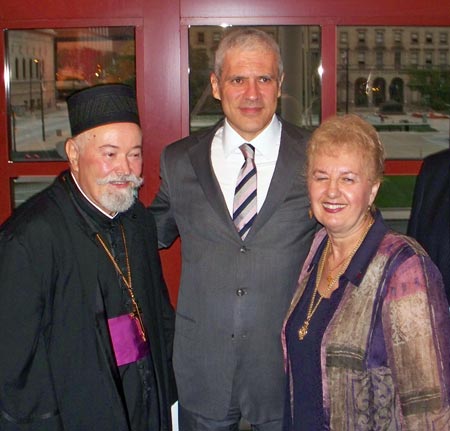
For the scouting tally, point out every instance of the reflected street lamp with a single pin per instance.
(346, 62)
(41, 92)
(31, 90)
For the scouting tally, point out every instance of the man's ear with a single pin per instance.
(214, 85)
(73, 153)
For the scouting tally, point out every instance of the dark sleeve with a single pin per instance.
(165, 309)
(169, 329)
(430, 212)
(161, 208)
(417, 203)
(27, 400)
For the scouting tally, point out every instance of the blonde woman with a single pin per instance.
(366, 338)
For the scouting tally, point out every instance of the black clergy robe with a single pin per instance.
(58, 289)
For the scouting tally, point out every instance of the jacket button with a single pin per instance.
(243, 249)
(241, 292)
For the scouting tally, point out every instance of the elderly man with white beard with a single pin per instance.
(86, 322)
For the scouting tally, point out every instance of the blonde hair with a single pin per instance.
(352, 133)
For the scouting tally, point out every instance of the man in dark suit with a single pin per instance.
(430, 212)
(237, 279)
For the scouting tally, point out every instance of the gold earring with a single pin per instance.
(310, 213)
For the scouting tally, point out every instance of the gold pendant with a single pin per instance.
(303, 330)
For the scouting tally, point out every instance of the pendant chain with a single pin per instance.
(313, 305)
(136, 314)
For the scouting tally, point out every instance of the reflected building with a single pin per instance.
(56, 62)
(378, 65)
(31, 70)
(47, 65)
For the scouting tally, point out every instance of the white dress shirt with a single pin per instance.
(227, 159)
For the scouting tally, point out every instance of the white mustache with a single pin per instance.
(133, 179)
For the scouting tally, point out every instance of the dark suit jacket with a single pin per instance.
(234, 294)
(430, 212)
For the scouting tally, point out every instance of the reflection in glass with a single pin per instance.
(300, 50)
(25, 187)
(398, 78)
(47, 65)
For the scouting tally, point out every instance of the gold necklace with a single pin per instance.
(313, 305)
(136, 313)
(344, 264)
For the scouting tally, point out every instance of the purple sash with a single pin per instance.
(127, 341)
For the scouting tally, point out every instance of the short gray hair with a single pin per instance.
(246, 38)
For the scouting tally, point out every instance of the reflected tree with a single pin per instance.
(433, 86)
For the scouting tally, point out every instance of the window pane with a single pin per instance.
(403, 89)
(46, 66)
(25, 187)
(400, 84)
(300, 51)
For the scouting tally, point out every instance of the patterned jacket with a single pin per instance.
(385, 354)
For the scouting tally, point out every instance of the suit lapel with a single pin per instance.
(286, 170)
(200, 156)
(284, 175)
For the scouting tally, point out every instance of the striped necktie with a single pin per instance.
(244, 205)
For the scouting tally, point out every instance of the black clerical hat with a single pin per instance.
(102, 104)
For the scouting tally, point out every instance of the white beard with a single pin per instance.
(118, 201)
